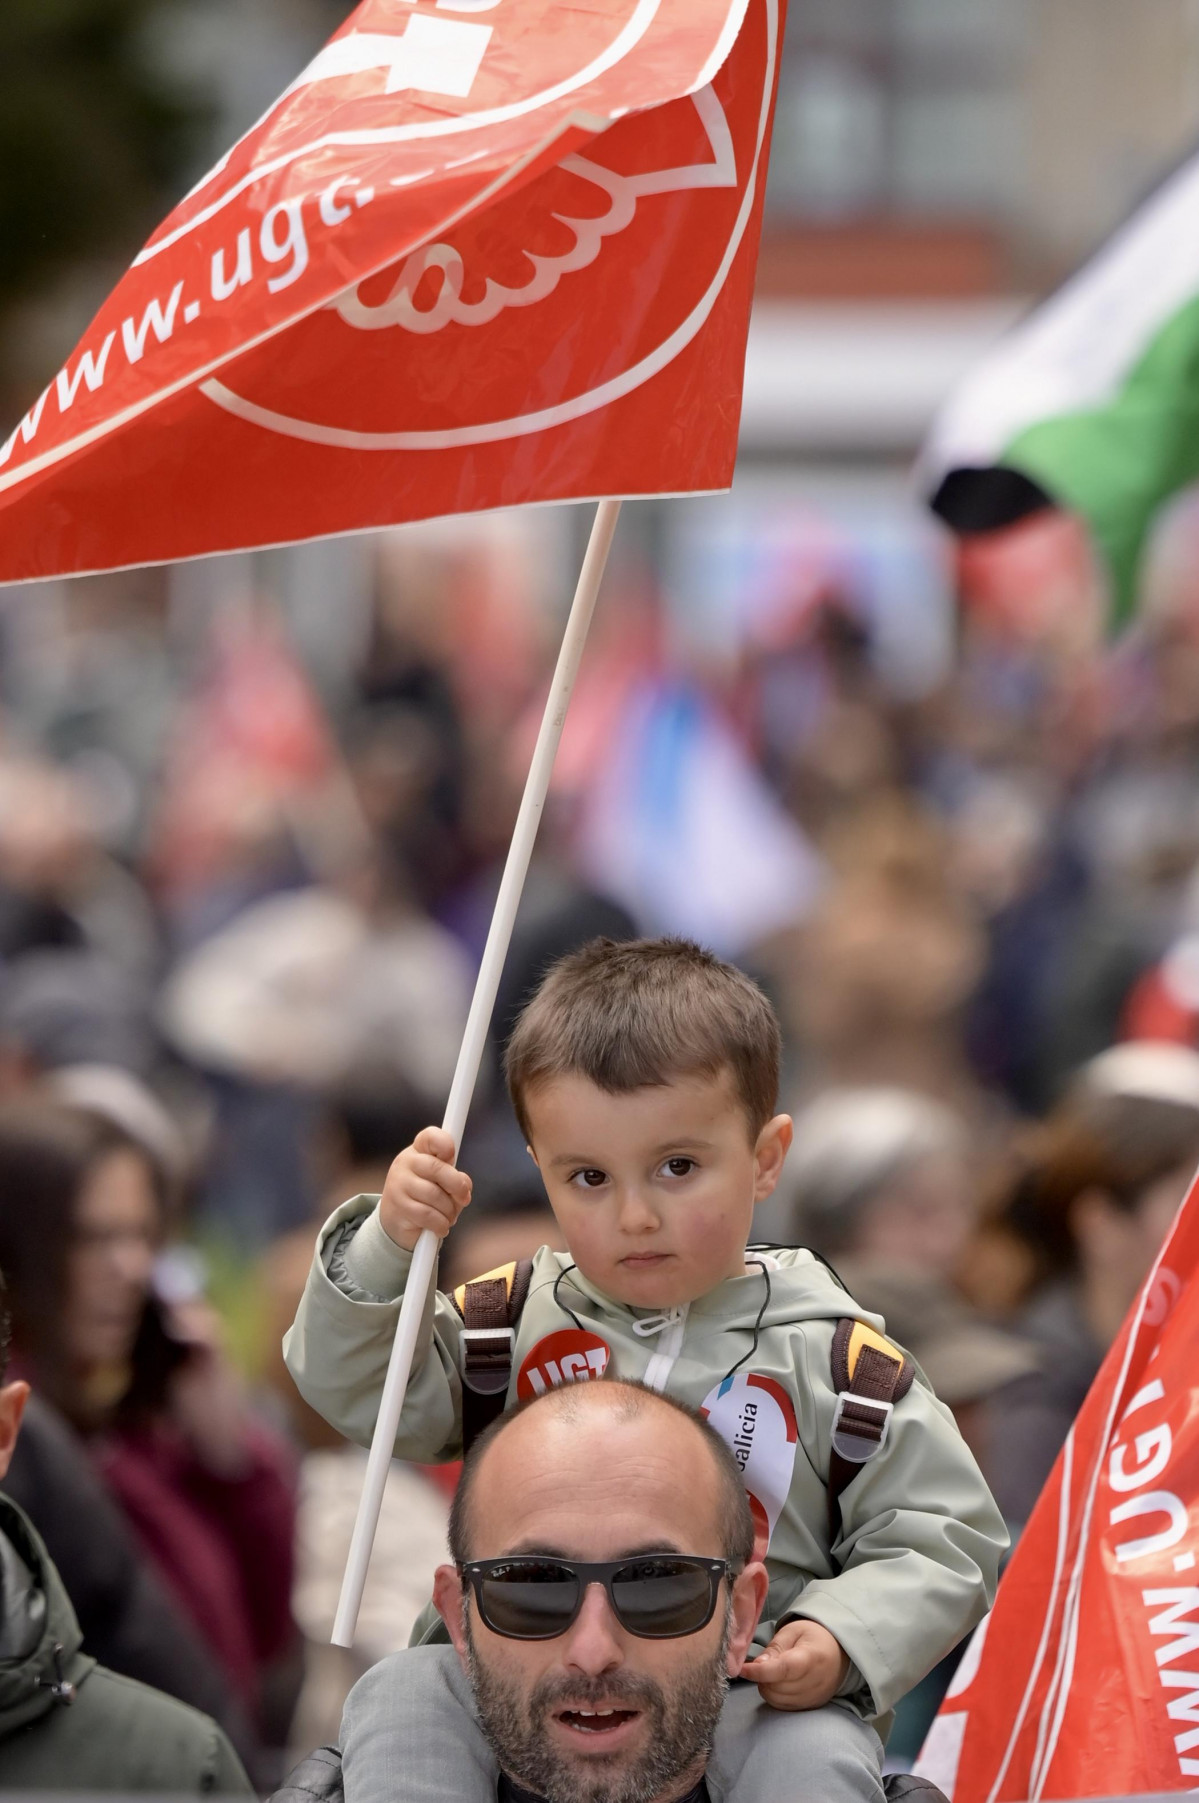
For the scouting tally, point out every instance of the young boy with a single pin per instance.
(645, 1076)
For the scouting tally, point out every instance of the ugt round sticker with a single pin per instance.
(570, 1356)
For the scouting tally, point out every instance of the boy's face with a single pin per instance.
(655, 1189)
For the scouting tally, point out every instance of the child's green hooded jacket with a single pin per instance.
(916, 1562)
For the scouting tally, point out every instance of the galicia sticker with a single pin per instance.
(755, 1417)
(571, 1356)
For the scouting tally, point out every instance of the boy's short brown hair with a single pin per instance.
(631, 1015)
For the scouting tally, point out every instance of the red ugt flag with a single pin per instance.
(482, 252)
(1084, 1679)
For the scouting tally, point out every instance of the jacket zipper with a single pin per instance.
(657, 1372)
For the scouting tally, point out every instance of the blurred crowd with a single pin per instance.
(240, 912)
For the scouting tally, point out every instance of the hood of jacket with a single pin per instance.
(40, 1657)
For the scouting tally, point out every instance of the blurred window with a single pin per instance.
(901, 107)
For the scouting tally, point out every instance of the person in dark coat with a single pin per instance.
(206, 1490)
(128, 1620)
(66, 1722)
(1094, 1193)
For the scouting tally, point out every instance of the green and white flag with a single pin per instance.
(1092, 402)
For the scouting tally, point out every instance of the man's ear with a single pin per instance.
(447, 1600)
(13, 1398)
(533, 1156)
(771, 1148)
(749, 1600)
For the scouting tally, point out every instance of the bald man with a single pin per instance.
(602, 1594)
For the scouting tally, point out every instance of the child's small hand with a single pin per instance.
(423, 1189)
(803, 1667)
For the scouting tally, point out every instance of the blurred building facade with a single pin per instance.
(937, 162)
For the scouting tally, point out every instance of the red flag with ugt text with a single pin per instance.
(481, 252)
(1084, 1679)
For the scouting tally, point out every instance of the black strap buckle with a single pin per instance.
(486, 1357)
(860, 1426)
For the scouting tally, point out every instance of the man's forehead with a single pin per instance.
(592, 1484)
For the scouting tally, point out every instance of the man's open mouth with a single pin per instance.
(597, 1724)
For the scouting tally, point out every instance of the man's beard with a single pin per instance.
(681, 1723)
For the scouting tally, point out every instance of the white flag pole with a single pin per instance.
(424, 1258)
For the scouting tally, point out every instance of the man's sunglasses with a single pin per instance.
(657, 1596)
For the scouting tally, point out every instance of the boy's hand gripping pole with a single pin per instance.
(424, 1258)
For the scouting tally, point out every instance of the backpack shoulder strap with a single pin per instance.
(870, 1375)
(490, 1307)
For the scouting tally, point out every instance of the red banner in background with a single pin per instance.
(425, 283)
(1084, 1679)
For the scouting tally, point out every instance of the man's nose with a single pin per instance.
(593, 1645)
